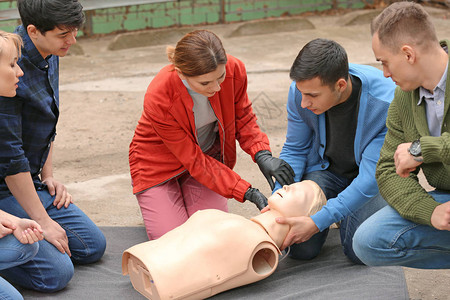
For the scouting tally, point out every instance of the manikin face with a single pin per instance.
(295, 199)
(55, 42)
(9, 69)
(207, 84)
(318, 97)
(398, 66)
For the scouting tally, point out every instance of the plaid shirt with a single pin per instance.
(28, 120)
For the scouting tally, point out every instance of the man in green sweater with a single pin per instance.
(414, 230)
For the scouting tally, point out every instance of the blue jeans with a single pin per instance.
(332, 184)
(50, 270)
(387, 239)
(13, 253)
(8, 292)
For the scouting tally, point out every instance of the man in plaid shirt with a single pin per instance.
(27, 132)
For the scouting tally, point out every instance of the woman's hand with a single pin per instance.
(28, 231)
(6, 227)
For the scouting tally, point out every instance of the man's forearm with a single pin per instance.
(22, 187)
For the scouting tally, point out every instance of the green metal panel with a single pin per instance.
(7, 4)
(9, 25)
(237, 10)
(157, 14)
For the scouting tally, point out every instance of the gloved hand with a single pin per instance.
(255, 196)
(276, 167)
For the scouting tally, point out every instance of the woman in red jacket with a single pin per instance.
(184, 146)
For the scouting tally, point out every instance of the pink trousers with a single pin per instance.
(169, 205)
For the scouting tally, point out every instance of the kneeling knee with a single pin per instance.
(92, 253)
(28, 252)
(55, 280)
(98, 252)
(303, 253)
(363, 250)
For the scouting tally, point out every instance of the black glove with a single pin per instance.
(255, 196)
(276, 167)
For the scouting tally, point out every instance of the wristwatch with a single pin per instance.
(415, 150)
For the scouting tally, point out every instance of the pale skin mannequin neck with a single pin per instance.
(291, 205)
(302, 228)
(427, 67)
(21, 184)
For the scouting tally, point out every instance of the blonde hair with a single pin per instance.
(319, 198)
(12, 38)
(198, 52)
(404, 23)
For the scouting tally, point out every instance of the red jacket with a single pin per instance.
(165, 143)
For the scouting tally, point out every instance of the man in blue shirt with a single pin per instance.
(27, 131)
(336, 127)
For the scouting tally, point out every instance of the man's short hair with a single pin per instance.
(404, 23)
(321, 58)
(48, 14)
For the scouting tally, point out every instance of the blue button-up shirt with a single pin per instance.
(434, 103)
(28, 120)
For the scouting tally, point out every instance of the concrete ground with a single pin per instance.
(102, 86)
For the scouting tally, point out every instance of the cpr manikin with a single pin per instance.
(214, 251)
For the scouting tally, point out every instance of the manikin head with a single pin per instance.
(303, 198)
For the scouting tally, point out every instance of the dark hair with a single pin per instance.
(48, 14)
(321, 58)
(198, 52)
(404, 23)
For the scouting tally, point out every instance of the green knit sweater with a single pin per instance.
(406, 122)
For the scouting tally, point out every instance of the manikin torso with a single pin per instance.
(214, 251)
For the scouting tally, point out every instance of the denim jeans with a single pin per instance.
(8, 292)
(13, 253)
(387, 239)
(50, 270)
(332, 184)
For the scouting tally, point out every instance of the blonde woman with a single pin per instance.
(18, 237)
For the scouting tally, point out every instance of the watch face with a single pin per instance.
(415, 149)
